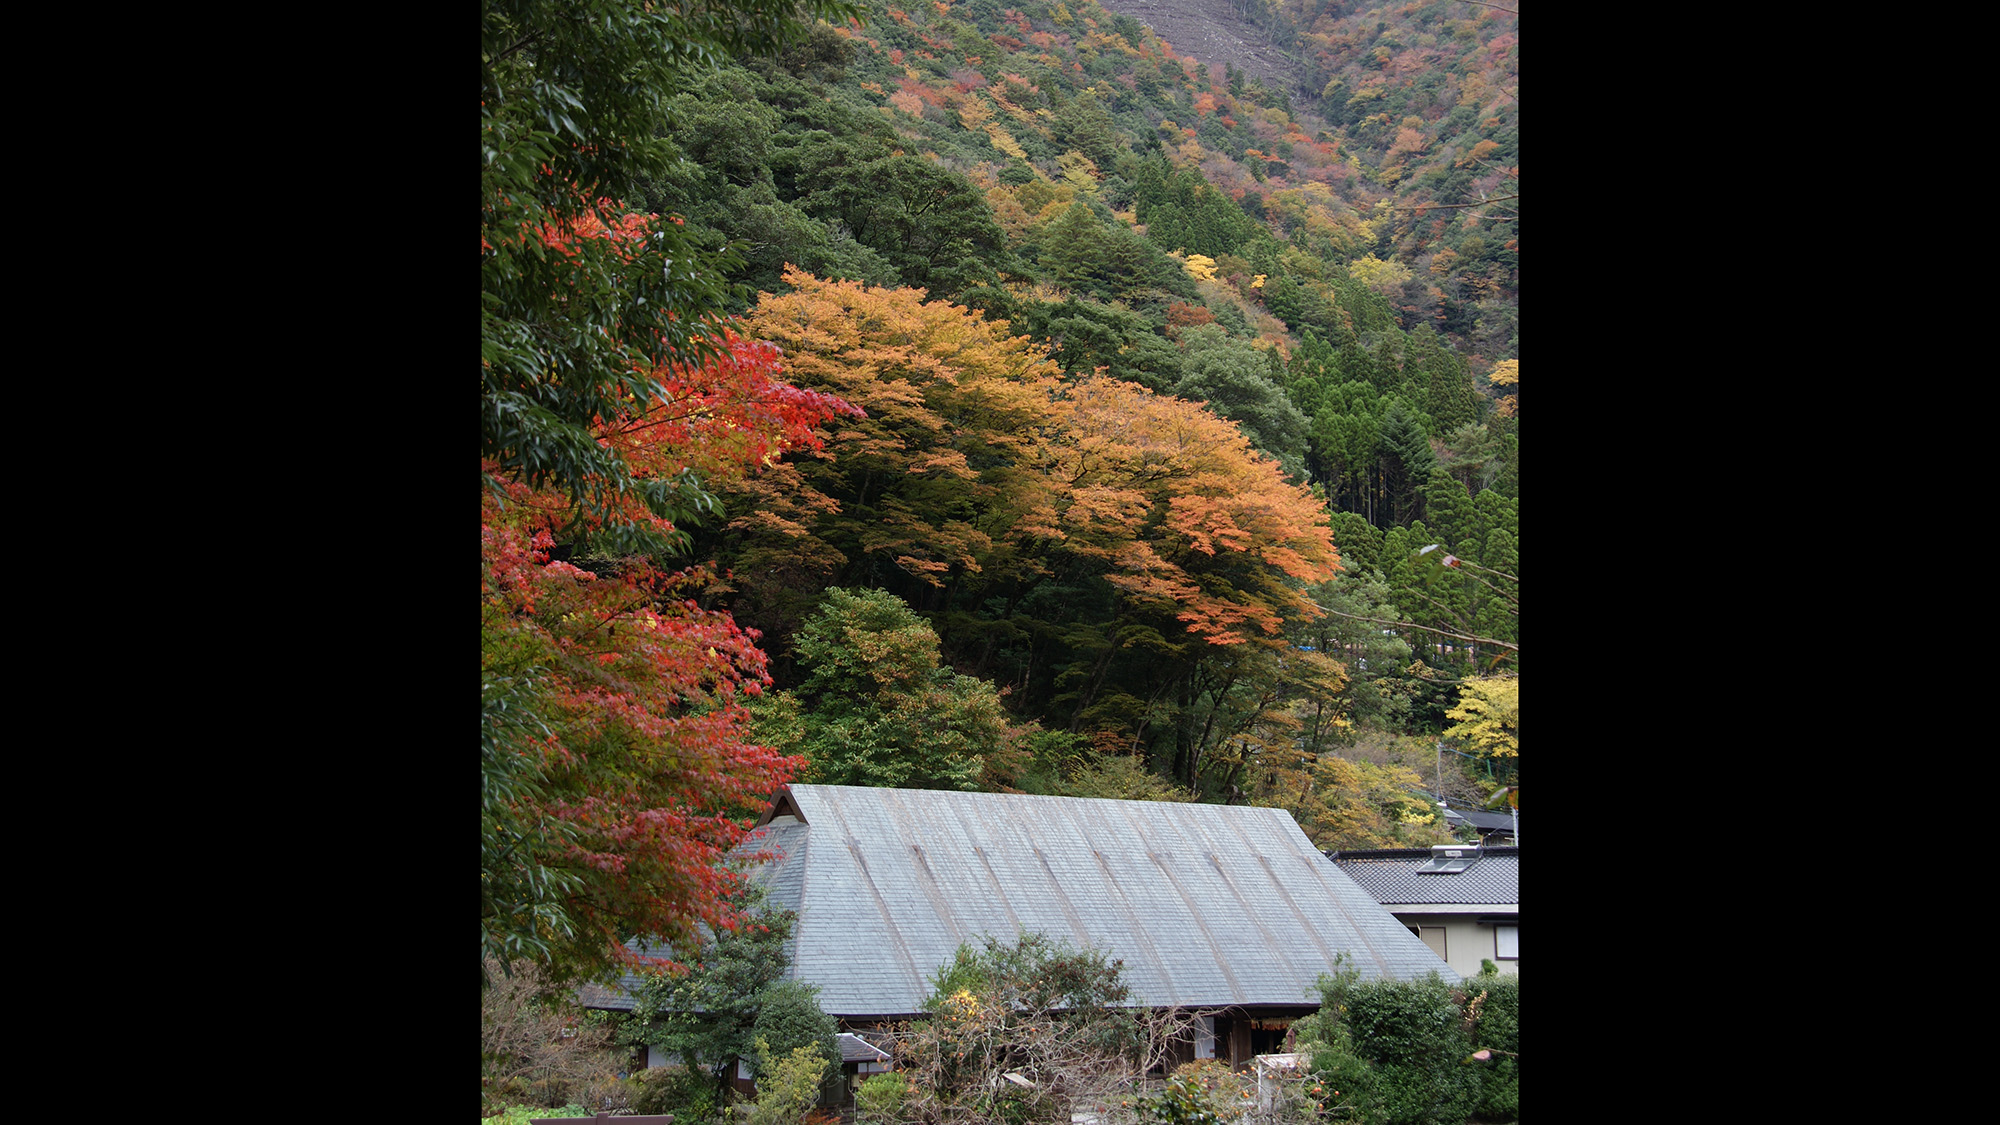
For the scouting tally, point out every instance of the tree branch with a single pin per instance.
(1414, 625)
(1441, 206)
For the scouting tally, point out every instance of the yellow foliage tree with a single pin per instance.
(1378, 275)
(1489, 716)
(1507, 373)
(1200, 266)
(1078, 171)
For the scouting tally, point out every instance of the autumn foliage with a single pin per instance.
(618, 747)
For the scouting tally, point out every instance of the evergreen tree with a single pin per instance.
(1448, 508)
(1385, 370)
(1407, 459)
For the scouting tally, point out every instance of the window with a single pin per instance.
(1507, 943)
(1434, 937)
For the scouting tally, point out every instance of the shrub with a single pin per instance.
(879, 1100)
(1415, 1035)
(1400, 1052)
(787, 1087)
(1497, 1029)
(791, 1018)
(1198, 1093)
(687, 1094)
(539, 1048)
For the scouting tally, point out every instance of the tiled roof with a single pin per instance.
(1205, 904)
(1483, 820)
(853, 1048)
(1391, 876)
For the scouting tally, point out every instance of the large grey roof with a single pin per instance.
(1207, 905)
(1391, 876)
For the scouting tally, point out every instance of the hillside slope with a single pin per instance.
(1215, 33)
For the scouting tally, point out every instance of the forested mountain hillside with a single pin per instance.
(1010, 396)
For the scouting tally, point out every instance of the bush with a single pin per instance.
(791, 1018)
(1497, 1029)
(787, 1087)
(1414, 1033)
(687, 1094)
(1400, 1052)
(538, 1048)
(1198, 1093)
(879, 1100)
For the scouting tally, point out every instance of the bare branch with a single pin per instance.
(1425, 628)
(1421, 207)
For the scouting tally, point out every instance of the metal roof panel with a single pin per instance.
(1207, 905)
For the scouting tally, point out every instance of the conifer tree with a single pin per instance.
(1406, 459)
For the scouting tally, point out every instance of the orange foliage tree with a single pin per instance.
(1195, 528)
(978, 475)
(935, 482)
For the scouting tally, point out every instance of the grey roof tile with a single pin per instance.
(1390, 875)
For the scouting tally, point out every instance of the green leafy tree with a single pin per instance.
(928, 222)
(878, 708)
(707, 1015)
(1404, 447)
(789, 1017)
(1232, 378)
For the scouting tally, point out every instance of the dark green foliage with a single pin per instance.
(708, 1015)
(1182, 211)
(520, 895)
(1087, 253)
(1498, 1031)
(573, 110)
(1083, 125)
(878, 707)
(1085, 334)
(1448, 509)
(1398, 1051)
(1404, 446)
(926, 221)
(1233, 379)
(791, 1017)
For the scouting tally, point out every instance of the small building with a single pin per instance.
(859, 1059)
(1463, 901)
(1490, 827)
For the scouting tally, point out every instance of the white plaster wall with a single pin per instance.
(1465, 940)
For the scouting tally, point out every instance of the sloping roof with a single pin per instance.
(853, 1048)
(1207, 905)
(1482, 820)
(1391, 876)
